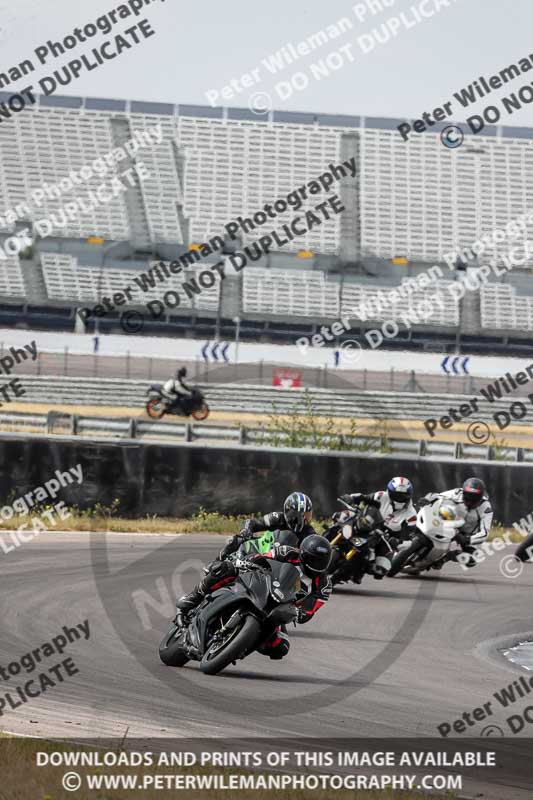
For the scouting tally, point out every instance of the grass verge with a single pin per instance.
(107, 519)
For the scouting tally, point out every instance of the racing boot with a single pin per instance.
(454, 556)
(276, 646)
(186, 605)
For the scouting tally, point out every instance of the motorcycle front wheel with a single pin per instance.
(155, 408)
(399, 561)
(171, 650)
(241, 639)
(201, 413)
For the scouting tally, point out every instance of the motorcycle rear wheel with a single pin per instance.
(243, 639)
(155, 408)
(171, 651)
(201, 413)
(399, 561)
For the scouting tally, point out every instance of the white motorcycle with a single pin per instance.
(436, 535)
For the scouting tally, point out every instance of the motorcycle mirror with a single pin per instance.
(344, 503)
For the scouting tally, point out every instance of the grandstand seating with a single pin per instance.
(11, 278)
(42, 147)
(419, 302)
(503, 309)
(162, 191)
(235, 167)
(213, 165)
(66, 280)
(310, 294)
(290, 293)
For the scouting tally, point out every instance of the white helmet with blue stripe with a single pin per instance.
(298, 510)
(400, 491)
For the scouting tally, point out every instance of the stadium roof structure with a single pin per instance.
(231, 113)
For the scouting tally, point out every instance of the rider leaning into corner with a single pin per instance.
(176, 388)
(395, 505)
(471, 502)
(399, 516)
(296, 517)
(312, 558)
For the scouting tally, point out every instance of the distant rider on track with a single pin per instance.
(175, 389)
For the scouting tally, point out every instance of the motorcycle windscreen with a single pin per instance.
(258, 587)
(287, 576)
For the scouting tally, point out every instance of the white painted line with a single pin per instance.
(111, 533)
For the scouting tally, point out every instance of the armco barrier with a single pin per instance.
(375, 441)
(176, 480)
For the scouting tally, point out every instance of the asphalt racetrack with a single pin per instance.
(394, 658)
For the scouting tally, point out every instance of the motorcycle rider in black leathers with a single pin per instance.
(296, 517)
(175, 389)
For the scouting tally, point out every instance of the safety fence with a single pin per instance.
(378, 442)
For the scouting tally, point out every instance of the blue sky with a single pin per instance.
(203, 45)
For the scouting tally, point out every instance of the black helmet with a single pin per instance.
(181, 373)
(298, 509)
(315, 554)
(473, 491)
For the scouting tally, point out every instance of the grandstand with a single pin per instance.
(417, 201)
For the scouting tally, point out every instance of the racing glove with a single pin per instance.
(351, 499)
(303, 617)
(463, 539)
(285, 550)
(245, 564)
(232, 544)
(257, 561)
(246, 533)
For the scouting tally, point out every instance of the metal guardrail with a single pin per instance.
(55, 423)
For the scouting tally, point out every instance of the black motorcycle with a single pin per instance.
(233, 621)
(158, 405)
(355, 537)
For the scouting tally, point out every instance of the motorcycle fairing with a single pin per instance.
(254, 591)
